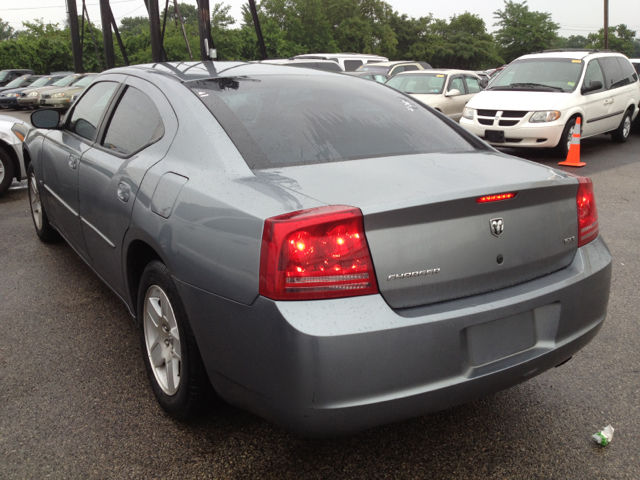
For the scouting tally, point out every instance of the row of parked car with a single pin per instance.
(34, 91)
(534, 102)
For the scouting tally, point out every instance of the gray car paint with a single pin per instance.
(333, 366)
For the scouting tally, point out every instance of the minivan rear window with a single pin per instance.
(286, 120)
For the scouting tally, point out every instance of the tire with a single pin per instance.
(621, 133)
(44, 230)
(565, 140)
(171, 356)
(6, 171)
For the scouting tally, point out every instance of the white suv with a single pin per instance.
(536, 99)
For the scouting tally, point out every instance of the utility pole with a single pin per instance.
(107, 36)
(256, 24)
(75, 36)
(157, 51)
(606, 24)
(204, 25)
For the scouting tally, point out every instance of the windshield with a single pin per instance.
(84, 81)
(285, 120)
(17, 82)
(373, 68)
(63, 82)
(540, 74)
(428, 83)
(41, 82)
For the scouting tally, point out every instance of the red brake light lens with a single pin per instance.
(316, 253)
(587, 212)
(496, 198)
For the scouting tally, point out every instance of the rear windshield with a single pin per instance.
(540, 74)
(428, 83)
(285, 120)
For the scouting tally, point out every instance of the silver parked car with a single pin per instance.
(12, 133)
(323, 251)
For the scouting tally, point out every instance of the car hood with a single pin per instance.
(517, 100)
(14, 90)
(41, 89)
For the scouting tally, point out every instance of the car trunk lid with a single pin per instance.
(429, 239)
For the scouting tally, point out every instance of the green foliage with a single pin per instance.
(6, 31)
(523, 31)
(292, 27)
(621, 39)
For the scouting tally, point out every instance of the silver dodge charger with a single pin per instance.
(322, 250)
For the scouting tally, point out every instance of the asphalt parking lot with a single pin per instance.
(75, 401)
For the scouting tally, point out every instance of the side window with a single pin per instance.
(351, 65)
(628, 72)
(612, 72)
(473, 84)
(593, 74)
(397, 70)
(410, 67)
(135, 123)
(380, 78)
(87, 112)
(456, 84)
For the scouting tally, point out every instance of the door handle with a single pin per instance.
(73, 162)
(124, 191)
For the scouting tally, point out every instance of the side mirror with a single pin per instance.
(484, 81)
(452, 93)
(45, 119)
(593, 86)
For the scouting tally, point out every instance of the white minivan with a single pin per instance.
(536, 99)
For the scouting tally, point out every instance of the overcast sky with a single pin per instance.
(576, 17)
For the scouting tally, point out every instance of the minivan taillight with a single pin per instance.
(316, 253)
(587, 212)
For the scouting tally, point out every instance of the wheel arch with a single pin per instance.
(17, 171)
(139, 255)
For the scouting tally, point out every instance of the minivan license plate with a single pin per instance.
(495, 136)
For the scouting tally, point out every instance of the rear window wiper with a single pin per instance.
(531, 85)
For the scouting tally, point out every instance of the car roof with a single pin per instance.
(393, 62)
(338, 55)
(189, 71)
(572, 54)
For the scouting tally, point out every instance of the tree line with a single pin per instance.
(292, 27)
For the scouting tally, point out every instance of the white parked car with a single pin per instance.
(12, 134)
(447, 91)
(535, 101)
(348, 61)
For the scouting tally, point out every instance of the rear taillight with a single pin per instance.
(587, 212)
(316, 253)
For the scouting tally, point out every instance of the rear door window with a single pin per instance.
(88, 111)
(135, 123)
(473, 84)
(612, 72)
(628, 71)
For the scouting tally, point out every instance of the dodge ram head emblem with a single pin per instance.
(497, 226)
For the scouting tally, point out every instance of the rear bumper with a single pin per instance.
(325, 368)
(529, 135)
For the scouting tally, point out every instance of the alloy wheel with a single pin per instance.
(162, 339)
(34, 200)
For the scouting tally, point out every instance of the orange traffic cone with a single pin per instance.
(573, 157)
